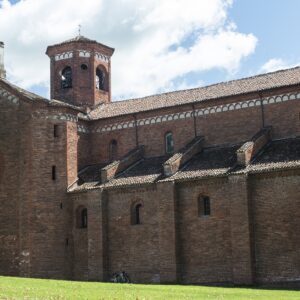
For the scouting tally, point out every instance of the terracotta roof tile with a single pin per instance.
(257, 83)
(147, 170)
(214, 161)
(280, 154)
(34, 97)
(80, 39)
(211, 162)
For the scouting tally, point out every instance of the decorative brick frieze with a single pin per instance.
(200, 112)
(64, 55)
(82, 129)
(83, 53)
(101, 57)
(60, 116)
(8, 96)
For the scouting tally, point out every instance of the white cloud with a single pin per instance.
(275, 64)
(156, 41)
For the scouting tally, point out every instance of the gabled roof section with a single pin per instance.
(80, 39)
(280, 154)
(20, 92)
(145, 171)
(259, 83)
(211, 162)
(17, 91)
(216, 161)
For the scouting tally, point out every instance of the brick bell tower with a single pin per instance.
(80, 72)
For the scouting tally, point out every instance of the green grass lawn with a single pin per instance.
(23, 288)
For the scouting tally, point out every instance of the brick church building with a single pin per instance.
(193, 186)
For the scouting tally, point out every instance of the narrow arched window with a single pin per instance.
(113, 150)
(204, 206)
(84, 218)
(53, 172)
(169, 143)
(66, 78)
(101, 79)
(136, 214)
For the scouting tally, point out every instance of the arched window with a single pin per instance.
(203, 206)
(169, 143)
(84, 218)
(1, 166)
(101, 79)
(136, 214)
(113, 150)
(66, 78)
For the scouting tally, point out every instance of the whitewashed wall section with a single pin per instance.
(199, 112)
(11, 98)
(64, 55)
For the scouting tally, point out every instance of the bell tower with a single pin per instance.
(80, 72)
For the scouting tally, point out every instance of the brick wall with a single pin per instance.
(83, 152)
(11, 158)
(83, 91)
(241, 229)
(133, 248)
(204, 242)
(284, 118)
(228, 127)
(49, 248)
(276, 203)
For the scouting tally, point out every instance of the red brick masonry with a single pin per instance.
(237, 143)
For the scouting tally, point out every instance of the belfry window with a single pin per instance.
(136, 214)
(113, 150)
(101, 79)
(203, 206)
(66, 78)
(169, 143)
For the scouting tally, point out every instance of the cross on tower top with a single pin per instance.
(79, 30)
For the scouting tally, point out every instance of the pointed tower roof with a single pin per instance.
(81, 39)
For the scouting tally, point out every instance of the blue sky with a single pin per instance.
(275, 24)
(161, 45)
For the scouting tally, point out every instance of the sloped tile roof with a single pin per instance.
(211, 162)
(30, 96)
(34, 97)
(280, 154)
(215, 161)
(80, 39)
(145, 171)
(257, 83)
